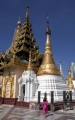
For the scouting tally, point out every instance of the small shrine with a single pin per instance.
(28, 83)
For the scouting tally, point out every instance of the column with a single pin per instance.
(64, 100)
(19, 97)
(31, 90)
(28, 91)
(71, 103)
(25, 96)
(52, 101)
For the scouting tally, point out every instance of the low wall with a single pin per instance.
(13, 101)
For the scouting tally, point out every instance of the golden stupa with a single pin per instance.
(48, 66)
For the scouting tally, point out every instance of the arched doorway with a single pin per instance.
(23, 91)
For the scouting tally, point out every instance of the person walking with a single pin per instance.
(45, 104)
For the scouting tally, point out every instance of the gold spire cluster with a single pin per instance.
(30, 64)
(48, 66)
(69, 79)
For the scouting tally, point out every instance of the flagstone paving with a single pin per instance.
(10, 112)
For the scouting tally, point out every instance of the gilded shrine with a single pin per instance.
(8, 87)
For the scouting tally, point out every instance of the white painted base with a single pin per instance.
(50, 83)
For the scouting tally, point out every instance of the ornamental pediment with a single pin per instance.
(27, 76)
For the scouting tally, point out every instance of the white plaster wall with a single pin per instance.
(19, 71)
(33, 88)
(74, 83)
(46, 77)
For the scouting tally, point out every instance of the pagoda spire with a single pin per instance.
(61, 71)
(27, 13)
(19, 23)
(48, 66)
(29, 64)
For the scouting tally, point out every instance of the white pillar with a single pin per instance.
(25, 96)
(19, 89)
(31, 90)
(19, 97)
(28, 91)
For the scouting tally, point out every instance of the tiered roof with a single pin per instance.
(23, 42)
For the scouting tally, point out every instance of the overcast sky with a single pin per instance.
(61, 21)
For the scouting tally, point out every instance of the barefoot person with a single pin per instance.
(45, 104)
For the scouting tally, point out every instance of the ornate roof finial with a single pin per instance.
(27, 14)
(47, 21)
(29, 64)
(19, 22)
(48, 31)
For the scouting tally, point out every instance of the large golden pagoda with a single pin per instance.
(48, 66)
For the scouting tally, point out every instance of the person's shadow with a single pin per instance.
(49, 114)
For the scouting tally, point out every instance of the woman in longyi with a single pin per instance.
(45, 104)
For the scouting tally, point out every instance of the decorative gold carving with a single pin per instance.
(8, 86)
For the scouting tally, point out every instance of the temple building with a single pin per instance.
(24, 71)
(15, 60)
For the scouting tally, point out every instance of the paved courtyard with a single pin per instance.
(9, 112)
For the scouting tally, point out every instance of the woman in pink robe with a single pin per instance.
(45, 106)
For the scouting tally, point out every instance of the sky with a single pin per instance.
(61, 22)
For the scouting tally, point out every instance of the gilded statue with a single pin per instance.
(70, 83)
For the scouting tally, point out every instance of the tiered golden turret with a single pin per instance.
(22, 43)
(48, 66)
(15, 38)
(26, 42)
(69, 79)
(29, 67)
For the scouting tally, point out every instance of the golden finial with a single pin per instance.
(19, 22)
(48, 66)
(27, 14)
(48, 31)
(29, 64)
